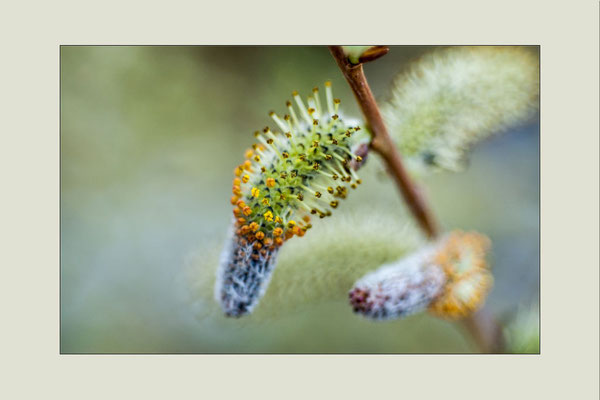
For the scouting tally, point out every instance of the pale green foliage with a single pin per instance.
(522, 333)
(321, 266)
(455, 97)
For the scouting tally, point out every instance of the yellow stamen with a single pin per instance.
(268, 216)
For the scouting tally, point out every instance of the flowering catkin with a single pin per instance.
(451, 278)
(289, 176)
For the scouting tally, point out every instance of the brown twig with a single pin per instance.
(481, 325)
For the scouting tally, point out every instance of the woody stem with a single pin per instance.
(485, 330)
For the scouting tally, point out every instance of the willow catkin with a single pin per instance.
(450, 278)
(292, 175)
(452, 98)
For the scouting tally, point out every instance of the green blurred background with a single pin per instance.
(149, 139)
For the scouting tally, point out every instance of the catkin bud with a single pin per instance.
(450, 277)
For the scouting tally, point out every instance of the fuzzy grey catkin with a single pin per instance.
(398, 289)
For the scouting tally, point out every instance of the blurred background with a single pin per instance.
(149, 140)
